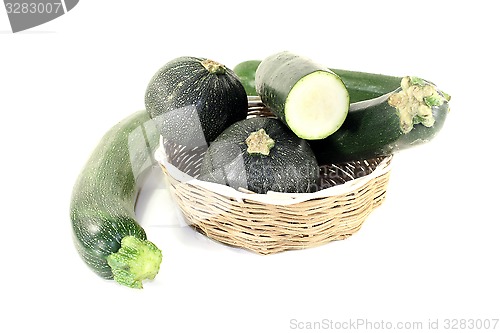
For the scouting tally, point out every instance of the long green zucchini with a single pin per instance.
(408, 116)
(361, 86)
(106, 233)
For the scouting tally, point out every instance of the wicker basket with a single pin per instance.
(275, 222)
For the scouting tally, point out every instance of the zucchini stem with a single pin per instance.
(213, 66)
(259, 142)
(135, 261)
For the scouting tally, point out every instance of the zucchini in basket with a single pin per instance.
(261, 154)
(105, 230)
(375, 125)
(192, 100)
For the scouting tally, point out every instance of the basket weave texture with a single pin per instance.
(275, 222)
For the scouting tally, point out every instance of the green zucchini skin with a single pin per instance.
(320, 107)
(361, 86)
(105, 192)
(193, 100)
(290, 165)
(374, 128)
(246, 72)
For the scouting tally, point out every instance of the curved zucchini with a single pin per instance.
(309, 98)
(106, 233)
(361, 86)
(410, 115)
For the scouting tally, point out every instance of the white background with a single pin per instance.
(429, 252)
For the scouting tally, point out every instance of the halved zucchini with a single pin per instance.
(309, 98)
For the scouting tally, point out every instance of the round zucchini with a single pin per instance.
(408, 116)
(309, 98)
(261, 155)
(192, 100)
(105, 230)
(361, 86)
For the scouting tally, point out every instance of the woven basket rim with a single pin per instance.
(277, 198)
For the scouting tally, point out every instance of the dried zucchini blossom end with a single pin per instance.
(414, 102)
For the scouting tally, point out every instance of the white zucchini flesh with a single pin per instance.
(317, 105)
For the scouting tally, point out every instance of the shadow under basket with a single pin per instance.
(275, 222)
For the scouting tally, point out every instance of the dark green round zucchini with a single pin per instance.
(192, 100)
(309, 98)
(410, 115)
(261, 155)
(106, 233)
(360, 86)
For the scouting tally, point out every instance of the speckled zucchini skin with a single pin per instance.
(105, 192)
(185, 98)
(290, 166)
